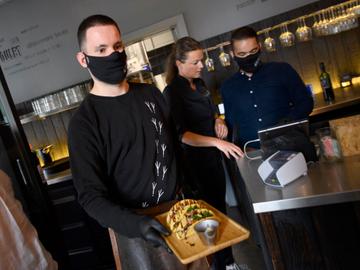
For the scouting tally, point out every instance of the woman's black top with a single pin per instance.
(192, 110)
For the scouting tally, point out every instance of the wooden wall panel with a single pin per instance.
(51, 130)
(339, 56)
(52, 136)
(61, 136)
(308, 65)
(66, 116)
(30, 134)
(352, 47)
(41, 137)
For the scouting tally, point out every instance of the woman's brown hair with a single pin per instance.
(179, 52)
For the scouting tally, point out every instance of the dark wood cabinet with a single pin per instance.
(313, 238)
(86, 245)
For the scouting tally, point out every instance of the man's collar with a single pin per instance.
(249, 75)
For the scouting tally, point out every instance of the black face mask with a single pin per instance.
(249, 63)
(111, 69)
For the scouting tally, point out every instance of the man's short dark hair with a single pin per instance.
(243, 33)
(91, 21)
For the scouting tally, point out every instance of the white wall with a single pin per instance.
(45, 32)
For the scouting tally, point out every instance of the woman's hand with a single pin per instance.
(221, 130)
(197, 140)
(229, 149)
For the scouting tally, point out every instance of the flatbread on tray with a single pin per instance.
(183, 216)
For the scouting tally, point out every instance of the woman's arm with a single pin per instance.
(221, 129)
(196, 140)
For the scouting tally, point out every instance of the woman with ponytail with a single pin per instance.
(200, 130)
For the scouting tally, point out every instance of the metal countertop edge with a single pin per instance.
(302, 202)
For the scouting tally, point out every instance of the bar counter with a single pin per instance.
(326, 183)
(312, 223)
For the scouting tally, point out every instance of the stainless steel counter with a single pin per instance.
(326, 183)
(58, 177)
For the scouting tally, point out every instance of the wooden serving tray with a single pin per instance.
(192, 248)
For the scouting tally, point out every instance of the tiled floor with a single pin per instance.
(246, 253)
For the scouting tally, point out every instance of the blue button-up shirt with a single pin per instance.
(274, 92)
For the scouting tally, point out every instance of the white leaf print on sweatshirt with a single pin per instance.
(145, 204)
(160, 193)
(147, 103)
(153, 107)
(160, 124)
(157, 146)
(164, 170)
(153, 120)
(157, 165)
(154, 184)
(163, 148)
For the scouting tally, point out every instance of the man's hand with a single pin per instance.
(151, 229)
(221, 130)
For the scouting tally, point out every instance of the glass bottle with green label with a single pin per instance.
(326, 85)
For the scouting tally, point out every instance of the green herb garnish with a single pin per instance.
(192, 208)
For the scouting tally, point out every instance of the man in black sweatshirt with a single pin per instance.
(121, 147)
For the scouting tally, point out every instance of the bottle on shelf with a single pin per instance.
(326, 85)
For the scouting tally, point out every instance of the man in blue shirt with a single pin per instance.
(261, 95)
